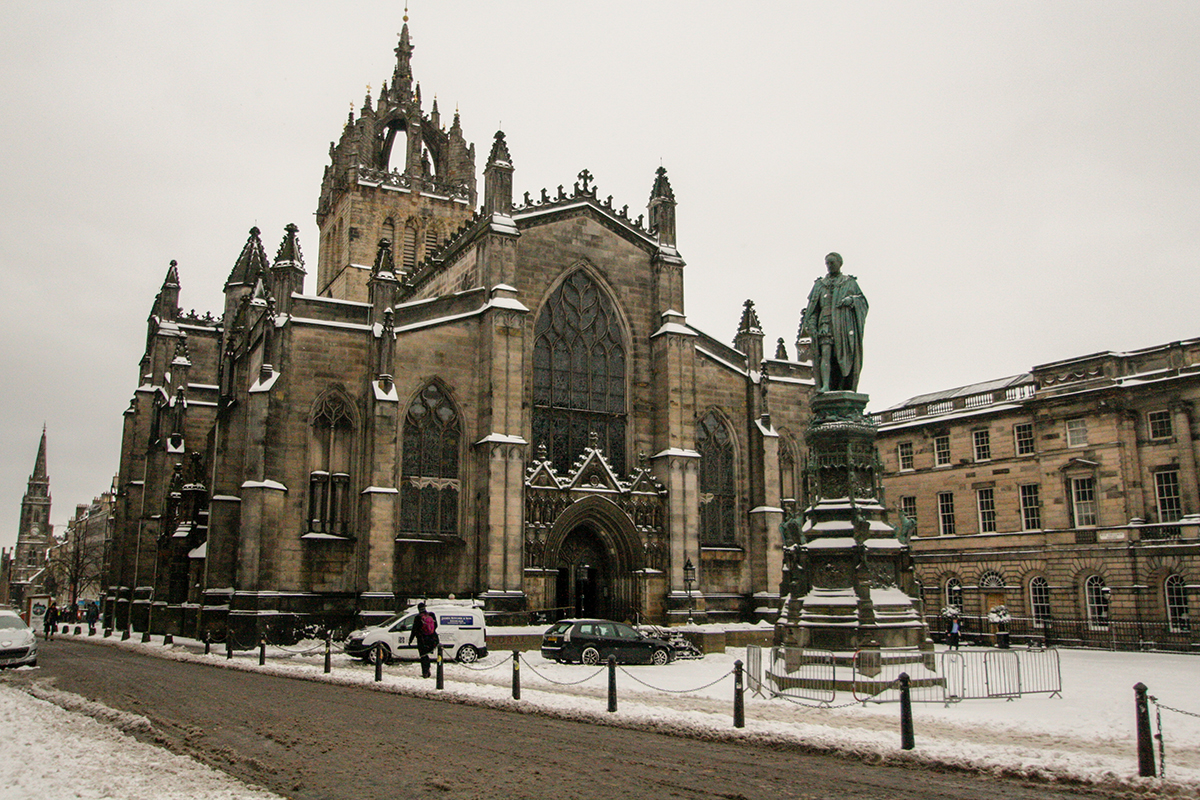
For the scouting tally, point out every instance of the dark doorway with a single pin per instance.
(583, 586)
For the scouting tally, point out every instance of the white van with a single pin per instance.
(461, 631)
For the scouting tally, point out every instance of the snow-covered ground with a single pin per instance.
(1086, 735)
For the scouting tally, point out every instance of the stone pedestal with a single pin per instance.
(848, 581)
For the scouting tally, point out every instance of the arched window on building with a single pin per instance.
(1039, 600)
(429, 478)
(330, 435)
(991, 580)
(787, 473)
(954, 595)
(1096, 600)
(433, 238)
(389, 232)
(717, 496)
(579, 374)
(1177, 607)
(408, 252)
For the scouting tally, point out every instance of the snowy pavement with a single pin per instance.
(1087, 735)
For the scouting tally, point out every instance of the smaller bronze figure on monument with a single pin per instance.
(834, 320)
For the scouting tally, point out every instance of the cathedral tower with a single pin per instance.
(395, 174)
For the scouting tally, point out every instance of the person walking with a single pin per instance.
(955, 630)
(92, 614)
(50, 621)
(424, 630)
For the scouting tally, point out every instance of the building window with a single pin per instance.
(945, 513)
(1096, 595)
(1031, 507)
(1023, 433)
(954, 594)
(579, 375)
(908, 507)
(1077, 434)
(1159, 423)
(1083, 500)
(991, 580)
(433, 238)
(941, 451)
(429, 482)
(329, 479)
(408, 252)
(787, 473)
(1039, 600)
(986, 500)
(1166, 492)
(982, 441)
(1177, 608)
(717, 496)
(904, 451)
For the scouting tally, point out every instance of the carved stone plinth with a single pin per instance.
(848, 581)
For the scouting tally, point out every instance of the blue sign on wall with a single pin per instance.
(457, 621)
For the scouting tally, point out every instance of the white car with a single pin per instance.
(461, 630)
(18, 645)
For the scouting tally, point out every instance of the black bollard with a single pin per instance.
(78, 630)
(107, 632)
(906, 720)
(262, 652)
(379, 661)
(739, 702)
(612, 684)
(1145, 740)
(168, 639)
(228, 643)
(125, 635)
(516, 675)
(441, 677)
(207, 643)
(328, 646)
(145, 637)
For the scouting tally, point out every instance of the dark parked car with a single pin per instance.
(592, 641)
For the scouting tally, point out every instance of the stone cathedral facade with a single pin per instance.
(480, 394)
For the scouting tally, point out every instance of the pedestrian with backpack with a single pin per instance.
(424, 630)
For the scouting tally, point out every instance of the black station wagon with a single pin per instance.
(592, 641)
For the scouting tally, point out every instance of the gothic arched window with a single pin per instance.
(717, 497)
(330, 435)
(429, 483)
(408, 252)
(579, 374)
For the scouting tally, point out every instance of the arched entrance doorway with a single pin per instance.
(584, 584)
(596, 551)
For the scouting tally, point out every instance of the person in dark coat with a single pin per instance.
(50, 621)
(424, 630)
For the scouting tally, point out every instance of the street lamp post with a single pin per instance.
(689, 577)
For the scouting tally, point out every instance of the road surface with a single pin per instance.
(306, 740)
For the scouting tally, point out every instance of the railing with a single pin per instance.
(1072, 632)
(871, 676)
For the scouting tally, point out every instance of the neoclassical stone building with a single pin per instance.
(1068, 494)
(480, 395)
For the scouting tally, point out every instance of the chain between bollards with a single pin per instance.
(907, 742)
(328, 649)
(739, 702)
(612, 684)
(1145, 742)
(516, 675)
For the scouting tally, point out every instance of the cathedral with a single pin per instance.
(480, 395)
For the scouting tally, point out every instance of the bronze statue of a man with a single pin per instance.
(834, 319)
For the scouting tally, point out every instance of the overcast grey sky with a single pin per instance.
(1012, 183)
